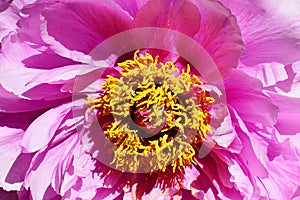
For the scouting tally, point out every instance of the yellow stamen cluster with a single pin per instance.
(157, 100)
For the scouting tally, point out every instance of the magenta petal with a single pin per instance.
(36, 137)
(244, 94)
(131, 6)
(89, 23)
(182, 16)
(9, 152)
(8, 195)
(4, 4)
(219, 34)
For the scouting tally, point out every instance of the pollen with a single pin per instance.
(159, 114)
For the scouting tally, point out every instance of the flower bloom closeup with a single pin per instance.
(150, 99)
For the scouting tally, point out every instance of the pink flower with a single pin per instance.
(72, 83)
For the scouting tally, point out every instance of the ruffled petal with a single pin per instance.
(48, 167)
(11, 103)
(87, 29)
(268, 73)
(30, 83)
(9, 15)
(270, 29)
(9, 152)
(288, 113)
(244, 94)
(36, 138)
(219, 34)
(263, 154)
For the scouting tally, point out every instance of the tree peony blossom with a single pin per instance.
(146, 99)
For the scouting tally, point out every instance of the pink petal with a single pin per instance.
(288, 115)
(270, 30)
(182, 16)
(9, 15)
(13, 66)
(131, 6)
(244, 94)
(289, 87)
(46, 167)
(284, 179)
(88, 22)
(18, 52)
(24, 118)
(36, 138)
(253, 157)
(30, 24)
(8, 195)
(209, 181)
(10, 103)
(9, 152)
(219, 34)
(269, 73)
(281, 181)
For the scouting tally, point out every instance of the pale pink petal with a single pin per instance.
(47, 165)
(36, 138)
(9, 20)
(15, 66)
(252, 153)
(9, 15)
(9, 152)
(270, 29)
(244, 94)
(288, 113)
(225, 134)
(284, 179)
(278, 180)
(268, 73)
(16, 51)
(79, 181)
(11, 103)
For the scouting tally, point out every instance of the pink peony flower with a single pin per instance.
(191, 99)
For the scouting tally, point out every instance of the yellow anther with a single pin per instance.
(150, 94)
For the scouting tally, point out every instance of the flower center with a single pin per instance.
(158, 114)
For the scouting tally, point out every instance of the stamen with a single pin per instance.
(154, 98)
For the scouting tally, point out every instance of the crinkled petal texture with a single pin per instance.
(208, 22)
(44, 51)
(270, 29)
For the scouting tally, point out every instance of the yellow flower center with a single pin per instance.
(159, 113)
